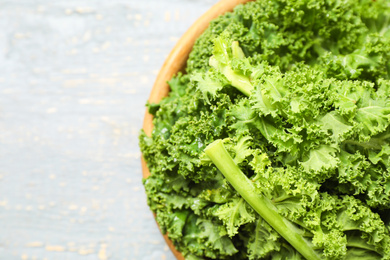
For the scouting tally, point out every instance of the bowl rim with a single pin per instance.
(174, 63)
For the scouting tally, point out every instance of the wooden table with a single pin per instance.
(74, 77)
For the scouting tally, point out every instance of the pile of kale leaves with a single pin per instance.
(275, 143)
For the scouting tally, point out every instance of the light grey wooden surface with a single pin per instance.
(74, 77)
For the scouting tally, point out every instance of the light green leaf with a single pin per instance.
(235, 214)
(322, 158)
(337, 124)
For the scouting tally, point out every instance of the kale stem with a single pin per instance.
(240, 82)
(263, 206)
(281, 198)
(382, 137)
(375, 143)
(372, 144)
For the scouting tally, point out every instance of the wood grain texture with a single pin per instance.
(175, 62)
(74, 79)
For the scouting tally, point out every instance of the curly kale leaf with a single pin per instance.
(299, 91)
(337, 226)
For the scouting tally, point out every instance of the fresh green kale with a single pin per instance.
(339, 226)
(275, 143)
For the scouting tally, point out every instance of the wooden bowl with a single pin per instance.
(176, 62)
